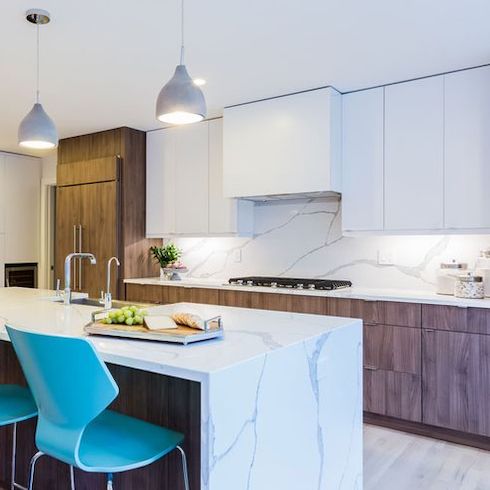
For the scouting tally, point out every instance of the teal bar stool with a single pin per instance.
(72, 388)
(16, 405)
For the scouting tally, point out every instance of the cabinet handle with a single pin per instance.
(74, 266)
(80, 260)
(429, 330)
(371, 368)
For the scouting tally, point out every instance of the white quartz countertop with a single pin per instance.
(248, 333)
(397, 295)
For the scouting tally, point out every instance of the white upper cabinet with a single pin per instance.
(362, 150)
(225, 215)
(284, 145)
(21, 200)
(3, 187)
(467, 149)
(184, 185)
(414, 158)
(191, 169)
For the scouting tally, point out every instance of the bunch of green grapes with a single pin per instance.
(129, 315)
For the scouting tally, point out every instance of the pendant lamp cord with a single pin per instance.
(37, 69)
(182, 32)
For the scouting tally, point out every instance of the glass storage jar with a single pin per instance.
(469, 286)
(447, 275)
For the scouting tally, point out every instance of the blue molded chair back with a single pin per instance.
(70, 384)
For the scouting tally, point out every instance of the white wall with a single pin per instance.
(303, 239)
(49, 165)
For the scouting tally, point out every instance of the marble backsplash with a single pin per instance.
(304, 239)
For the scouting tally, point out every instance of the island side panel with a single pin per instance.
(289, 419)
(163, 400)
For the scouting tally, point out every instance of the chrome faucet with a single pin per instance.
(68, 259)
(106, 298)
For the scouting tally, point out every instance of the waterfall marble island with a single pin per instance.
(275, 404)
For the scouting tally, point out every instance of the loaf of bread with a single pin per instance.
(189, 320)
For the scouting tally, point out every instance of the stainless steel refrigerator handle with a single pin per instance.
(74, 251)
(80, 260)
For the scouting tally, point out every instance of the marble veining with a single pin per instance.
(304, 239)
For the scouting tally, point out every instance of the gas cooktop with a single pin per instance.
(288, 282)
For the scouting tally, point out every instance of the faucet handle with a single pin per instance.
(58, 284)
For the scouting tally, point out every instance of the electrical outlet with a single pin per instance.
(237, 255)
(386, 257)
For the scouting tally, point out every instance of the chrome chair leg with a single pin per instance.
(109, 481)
(13, 484)
(72, 477)
(14, 454)
(32, 467)
(184, 468)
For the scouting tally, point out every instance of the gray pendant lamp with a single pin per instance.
(37, 130)
(181, 101)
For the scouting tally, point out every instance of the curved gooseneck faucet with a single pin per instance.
(69, 257)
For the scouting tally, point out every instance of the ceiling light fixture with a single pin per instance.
(37, 129)
(199, 82)
(181, 101)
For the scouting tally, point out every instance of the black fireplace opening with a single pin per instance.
(21, 275)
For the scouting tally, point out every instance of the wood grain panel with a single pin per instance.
(144, 293)
(205, 296)
(90, 146)
(402, 314)
(162, 400)
(393, 394)
(88, 172)
(442, 317)
(240, 299)
(393, 348)
(309, 304)
(456, 381)
(369, 311)
(176, 294)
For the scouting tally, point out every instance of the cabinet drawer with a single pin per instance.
(240, 299)
(176, 294)
(402, 314)
(441, 317)
(393, 394)
(205, 296)
(144, 293)
(368, 311)
(393, 348)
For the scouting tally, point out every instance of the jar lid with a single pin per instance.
(454, 265)
(470, 277)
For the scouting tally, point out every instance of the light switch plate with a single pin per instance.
(386, 257)
(237, 255)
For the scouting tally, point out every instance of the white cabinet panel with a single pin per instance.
(22, 196)
(414, 155)
(284, 145)
(2, 260)
(160, 182)
(362, 153)
(191, 179)
(226, 215)
(467, 149)
(3, 187)
(184, 185)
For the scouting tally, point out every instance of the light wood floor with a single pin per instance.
(398, 461)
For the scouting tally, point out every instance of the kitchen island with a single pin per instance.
(275, 404)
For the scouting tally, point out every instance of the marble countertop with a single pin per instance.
(397, 295)
(249, 334)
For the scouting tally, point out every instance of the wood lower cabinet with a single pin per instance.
(393, 348)
(456, 381)
(393, 394)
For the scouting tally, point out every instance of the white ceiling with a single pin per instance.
(104, 61)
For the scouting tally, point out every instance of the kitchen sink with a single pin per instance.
(94, 302)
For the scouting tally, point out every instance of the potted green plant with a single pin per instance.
(168, 257)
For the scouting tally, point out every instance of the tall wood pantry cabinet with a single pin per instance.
(101, 208)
